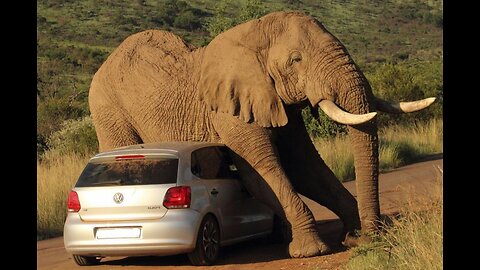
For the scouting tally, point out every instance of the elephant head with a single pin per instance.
(253, 71)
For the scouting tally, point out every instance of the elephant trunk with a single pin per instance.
(365, 150)
(351, 92)
(355, 96)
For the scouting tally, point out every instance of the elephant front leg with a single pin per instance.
(312, 178)
(254, 144)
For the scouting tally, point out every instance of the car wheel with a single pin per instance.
(208, 243)
(85, 261)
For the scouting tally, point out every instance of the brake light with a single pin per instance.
(177, 197)
(73, 203)
(129, 157)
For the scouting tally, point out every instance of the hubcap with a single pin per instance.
(210, 240)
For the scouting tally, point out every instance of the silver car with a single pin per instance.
(161, 199)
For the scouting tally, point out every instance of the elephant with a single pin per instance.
(246, 89)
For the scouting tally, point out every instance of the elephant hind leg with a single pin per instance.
(113, 130)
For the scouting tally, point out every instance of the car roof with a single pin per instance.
(176, 148)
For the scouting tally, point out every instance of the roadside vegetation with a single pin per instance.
(413, 240)
(397, 43)
(399, 145)
(56, 176)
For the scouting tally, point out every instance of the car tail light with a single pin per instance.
(126, 157)
(177, 197)
(73, 202)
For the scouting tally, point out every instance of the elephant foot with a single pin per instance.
(307, 245)
(356, 239)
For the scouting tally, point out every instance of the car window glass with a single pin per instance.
(213, 163)
(129, 172)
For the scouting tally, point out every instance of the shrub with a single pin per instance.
(295, 3)
(167, 10)
(53, 111)
(187, 20)
(392, 81)
(324, 127)
(406, 81)
(222, 20)
(253, 9)
(178, 14)
(75, 136)
(41, 145)
(434, 18)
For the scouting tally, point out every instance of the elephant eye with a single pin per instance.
(295, 57)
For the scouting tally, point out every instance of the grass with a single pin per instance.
(414, 240)
(56, 175)
(336, 152)
(399, 145)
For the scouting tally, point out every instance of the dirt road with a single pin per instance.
(261, 254)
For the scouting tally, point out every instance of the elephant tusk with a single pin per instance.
(343, 117)
(403, 107)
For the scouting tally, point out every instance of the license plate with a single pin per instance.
(112, 233)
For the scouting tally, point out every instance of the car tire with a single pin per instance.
(208, 243)
(86, 261)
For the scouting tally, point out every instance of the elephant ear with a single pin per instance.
(234, 80)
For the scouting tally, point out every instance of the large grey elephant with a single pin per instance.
(246, 89)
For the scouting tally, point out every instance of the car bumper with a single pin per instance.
(175, 233)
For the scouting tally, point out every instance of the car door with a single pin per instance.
(241, 215)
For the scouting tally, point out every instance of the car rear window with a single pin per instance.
(129, 172)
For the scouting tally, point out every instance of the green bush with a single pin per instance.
(434, 18)
(41, 145)
(324, 127)
(222, 20)
(407, 81)
(253, 9)
(178, 14)
(75, 136)
(52, 112)
(167, 10)
(187, 20)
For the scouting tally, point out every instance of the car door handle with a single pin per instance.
(214, 192)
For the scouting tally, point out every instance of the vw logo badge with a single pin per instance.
(118, 197)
